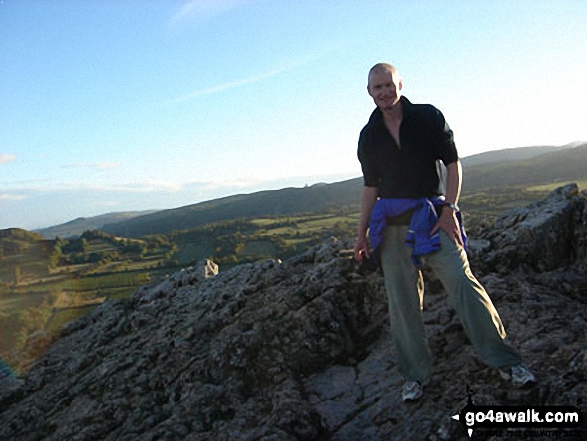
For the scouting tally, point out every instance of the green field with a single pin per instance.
(547, 188)
(44, 284)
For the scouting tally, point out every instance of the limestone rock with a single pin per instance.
(542, 236)
(300, 349)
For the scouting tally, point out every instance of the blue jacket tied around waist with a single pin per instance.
(423, 220)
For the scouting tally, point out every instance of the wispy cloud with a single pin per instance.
(96, 165)
(11, 197)
(227, 184)
(147, 186)
(204, 10)
(229, 85)
(285, 66)
(7, 157)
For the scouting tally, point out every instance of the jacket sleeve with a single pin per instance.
(446, 149)
(370, 175)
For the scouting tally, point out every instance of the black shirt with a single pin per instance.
(409, 170)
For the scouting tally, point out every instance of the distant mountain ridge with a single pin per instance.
(513, 154)
(563, 164)
(498, 168)
(284, 202)
(77, 226)
(486, 170)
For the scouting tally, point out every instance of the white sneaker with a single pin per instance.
(519, 375)
(411, 390)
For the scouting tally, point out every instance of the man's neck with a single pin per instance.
(394, 114)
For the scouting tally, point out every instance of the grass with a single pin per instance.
(11, 303)
(45, 284)
(71, 290)
(553, 186)
(258, 248)
(64, 316)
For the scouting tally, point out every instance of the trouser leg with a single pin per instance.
(474, 308)
(405, 290)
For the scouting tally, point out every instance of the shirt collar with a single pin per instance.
(376, 117)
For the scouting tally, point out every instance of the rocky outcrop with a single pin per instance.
(543, 236)
(300, 349)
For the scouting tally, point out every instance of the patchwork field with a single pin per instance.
(46, 283)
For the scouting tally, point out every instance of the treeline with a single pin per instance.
(98, 247)
(25, 256)
(241, 241)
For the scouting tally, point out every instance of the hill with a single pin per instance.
(504, 168)
(563, 165)
(46, 283)
(77, 226)
(289, 201)
(300, 349)
(507, 155)
(22, 252)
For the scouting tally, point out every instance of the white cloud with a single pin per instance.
(7, 157)
(147, 186)
(96, 165)
(231, 183)
(11, 197)
(228, 85)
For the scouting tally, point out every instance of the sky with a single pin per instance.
(127, 105)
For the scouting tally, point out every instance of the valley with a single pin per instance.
(47, 280)
(46, 283)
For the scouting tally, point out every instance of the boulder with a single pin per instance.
(541, 237)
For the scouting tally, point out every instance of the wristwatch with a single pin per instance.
(451, 205)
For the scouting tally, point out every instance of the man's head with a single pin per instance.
(384, 85)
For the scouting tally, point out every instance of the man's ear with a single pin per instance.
(401, 85)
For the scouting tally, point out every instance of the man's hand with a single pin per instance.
(361, 248)
(450, 225)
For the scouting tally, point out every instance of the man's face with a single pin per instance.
(384, 89)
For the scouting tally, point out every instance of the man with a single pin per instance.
(410, 220)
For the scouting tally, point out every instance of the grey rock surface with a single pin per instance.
(542, 236)
(300, 349)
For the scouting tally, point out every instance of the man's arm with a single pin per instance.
(368, 198)
(454, 180)
(448, 220)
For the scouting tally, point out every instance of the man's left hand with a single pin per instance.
(450, 225)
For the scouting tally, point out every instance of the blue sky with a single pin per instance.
(131, 105)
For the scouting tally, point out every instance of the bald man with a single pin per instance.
(410, 217)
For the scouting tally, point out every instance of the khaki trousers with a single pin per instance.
(405, 292)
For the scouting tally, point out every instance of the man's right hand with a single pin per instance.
(361, 248)
(368, 198)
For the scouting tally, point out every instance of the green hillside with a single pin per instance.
(556, 166)
(46, 283)
(493, 170)
(77, 226)
(508, 155)
(289, 201)
(23, 253)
